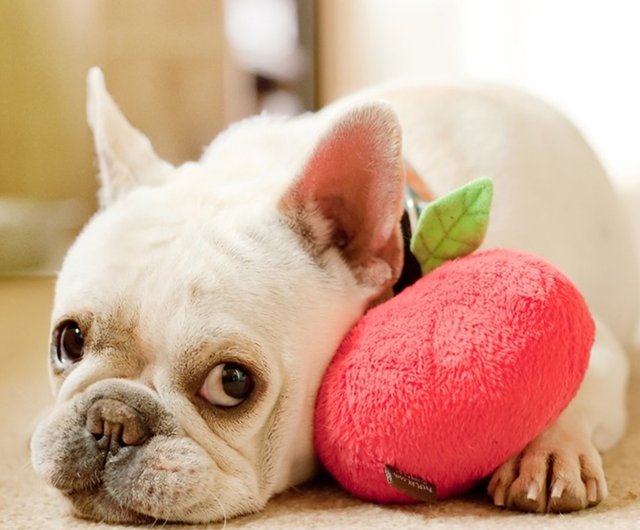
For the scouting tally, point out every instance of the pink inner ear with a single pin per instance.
(355, 177)
(349, 196)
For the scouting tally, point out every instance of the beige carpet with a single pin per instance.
(26, 503)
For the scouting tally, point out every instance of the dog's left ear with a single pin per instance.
(125, 156)
(349, 195)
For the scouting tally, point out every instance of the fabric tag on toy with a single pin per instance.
(417, 488)
(453, 225)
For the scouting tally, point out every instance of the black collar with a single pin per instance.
(411, 271)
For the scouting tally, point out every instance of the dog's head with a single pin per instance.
(195, 314)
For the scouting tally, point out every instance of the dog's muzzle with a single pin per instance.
(96, 438)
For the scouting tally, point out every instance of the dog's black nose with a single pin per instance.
(115, 424)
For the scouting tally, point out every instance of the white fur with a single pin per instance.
(199, 255)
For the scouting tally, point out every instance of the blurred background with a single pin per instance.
(181, 71)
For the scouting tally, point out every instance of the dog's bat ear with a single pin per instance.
(125, 156)
(349, 196)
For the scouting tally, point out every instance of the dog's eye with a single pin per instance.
(69, 342)
(227, 385)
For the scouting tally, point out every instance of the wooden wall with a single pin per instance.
(163, 61)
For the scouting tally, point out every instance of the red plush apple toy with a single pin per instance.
(433, 390)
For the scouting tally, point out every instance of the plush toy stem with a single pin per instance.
(453, 225)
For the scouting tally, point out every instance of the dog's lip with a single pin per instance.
(131, 513)
(99, 487)
(91, 487)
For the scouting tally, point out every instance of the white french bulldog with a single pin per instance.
(196, 313)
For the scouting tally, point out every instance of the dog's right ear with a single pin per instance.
(126, 158)
(349, 195)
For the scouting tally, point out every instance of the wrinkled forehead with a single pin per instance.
(180, 264)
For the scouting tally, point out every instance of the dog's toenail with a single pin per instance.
(558, 489)
(532, 492)
(592, 490)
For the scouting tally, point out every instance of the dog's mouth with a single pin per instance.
(161, 480)
(126, 492)
(126, 464)
(97, 505)
(168, 478)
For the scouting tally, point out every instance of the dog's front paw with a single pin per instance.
(559, 471)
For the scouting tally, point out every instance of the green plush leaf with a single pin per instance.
(453, 225)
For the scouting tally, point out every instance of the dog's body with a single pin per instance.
(261, 256)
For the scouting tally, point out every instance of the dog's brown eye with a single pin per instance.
(69, 342)
(227, 385)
